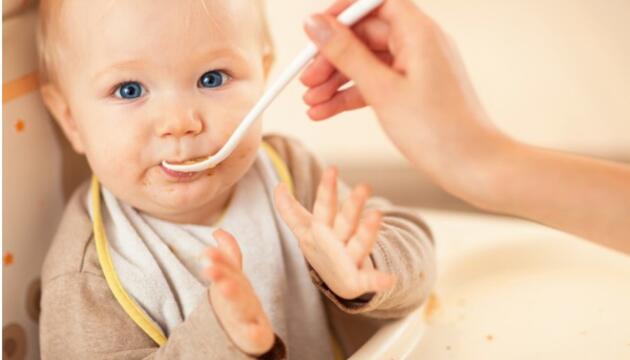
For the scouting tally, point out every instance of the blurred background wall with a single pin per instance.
(554, 73)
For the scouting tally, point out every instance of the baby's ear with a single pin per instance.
(58, 107)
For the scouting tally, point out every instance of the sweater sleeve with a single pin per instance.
(404, 246)
(81, 319)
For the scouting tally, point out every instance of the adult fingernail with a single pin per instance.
(318, 29)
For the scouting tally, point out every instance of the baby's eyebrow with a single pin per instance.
(122, 65)
(236, 55)
(231, 51)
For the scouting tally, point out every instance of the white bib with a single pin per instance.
(159, 262)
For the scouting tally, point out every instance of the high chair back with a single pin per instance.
(39, 173)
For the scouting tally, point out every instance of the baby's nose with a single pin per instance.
(180, 126)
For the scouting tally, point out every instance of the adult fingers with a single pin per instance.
(350, 55)
(344, 100)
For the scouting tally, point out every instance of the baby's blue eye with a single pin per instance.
(213, 79)
(130, 90)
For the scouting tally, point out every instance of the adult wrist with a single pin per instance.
(475, 169)
(488, 172)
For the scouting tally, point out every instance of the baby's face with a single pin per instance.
(153, 80)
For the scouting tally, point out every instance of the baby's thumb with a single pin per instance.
(339, 45)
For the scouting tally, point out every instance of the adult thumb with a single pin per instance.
(349, 55)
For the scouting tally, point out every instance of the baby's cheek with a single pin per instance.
(116, 167)
(242, 158)
(244, 154)
(251, 142)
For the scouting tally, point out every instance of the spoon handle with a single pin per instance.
(348, 17)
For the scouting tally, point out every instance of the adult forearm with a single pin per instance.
(584, 196)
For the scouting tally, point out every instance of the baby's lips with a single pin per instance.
(186, 162)
(177, 174)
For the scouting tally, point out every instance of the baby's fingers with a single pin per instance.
(222, 277)
(228, 281)
(219, 256)
(360, 246)
(230, 289)
(348, 220)
(215, 273)
(292, 212)
(325, 207)
(259, 333)
(229, 246)
(238, 309)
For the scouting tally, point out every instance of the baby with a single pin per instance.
(147, 262)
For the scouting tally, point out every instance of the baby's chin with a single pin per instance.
(183, 192)
(188, 197)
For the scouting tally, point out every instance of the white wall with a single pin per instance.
(553, 73)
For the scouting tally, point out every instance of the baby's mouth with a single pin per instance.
(199, 164)
(183, 175)
(180, 175)
(187, 162)
(177, 174)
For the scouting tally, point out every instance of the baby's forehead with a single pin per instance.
(105, 27)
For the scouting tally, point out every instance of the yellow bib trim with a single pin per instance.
(132, 309)
(279, 165)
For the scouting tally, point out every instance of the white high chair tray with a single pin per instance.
(511, 289)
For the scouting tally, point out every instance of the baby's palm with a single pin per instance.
(234, 300)
(337, 243)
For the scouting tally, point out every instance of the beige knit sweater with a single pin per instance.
(81, 319)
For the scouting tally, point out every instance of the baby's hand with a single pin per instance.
(337, 244)
(234, 300)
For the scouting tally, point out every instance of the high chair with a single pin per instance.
(507, 289)
(39, 173)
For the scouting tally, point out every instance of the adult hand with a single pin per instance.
(406, 68)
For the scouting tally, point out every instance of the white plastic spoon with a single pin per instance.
(348, 17)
